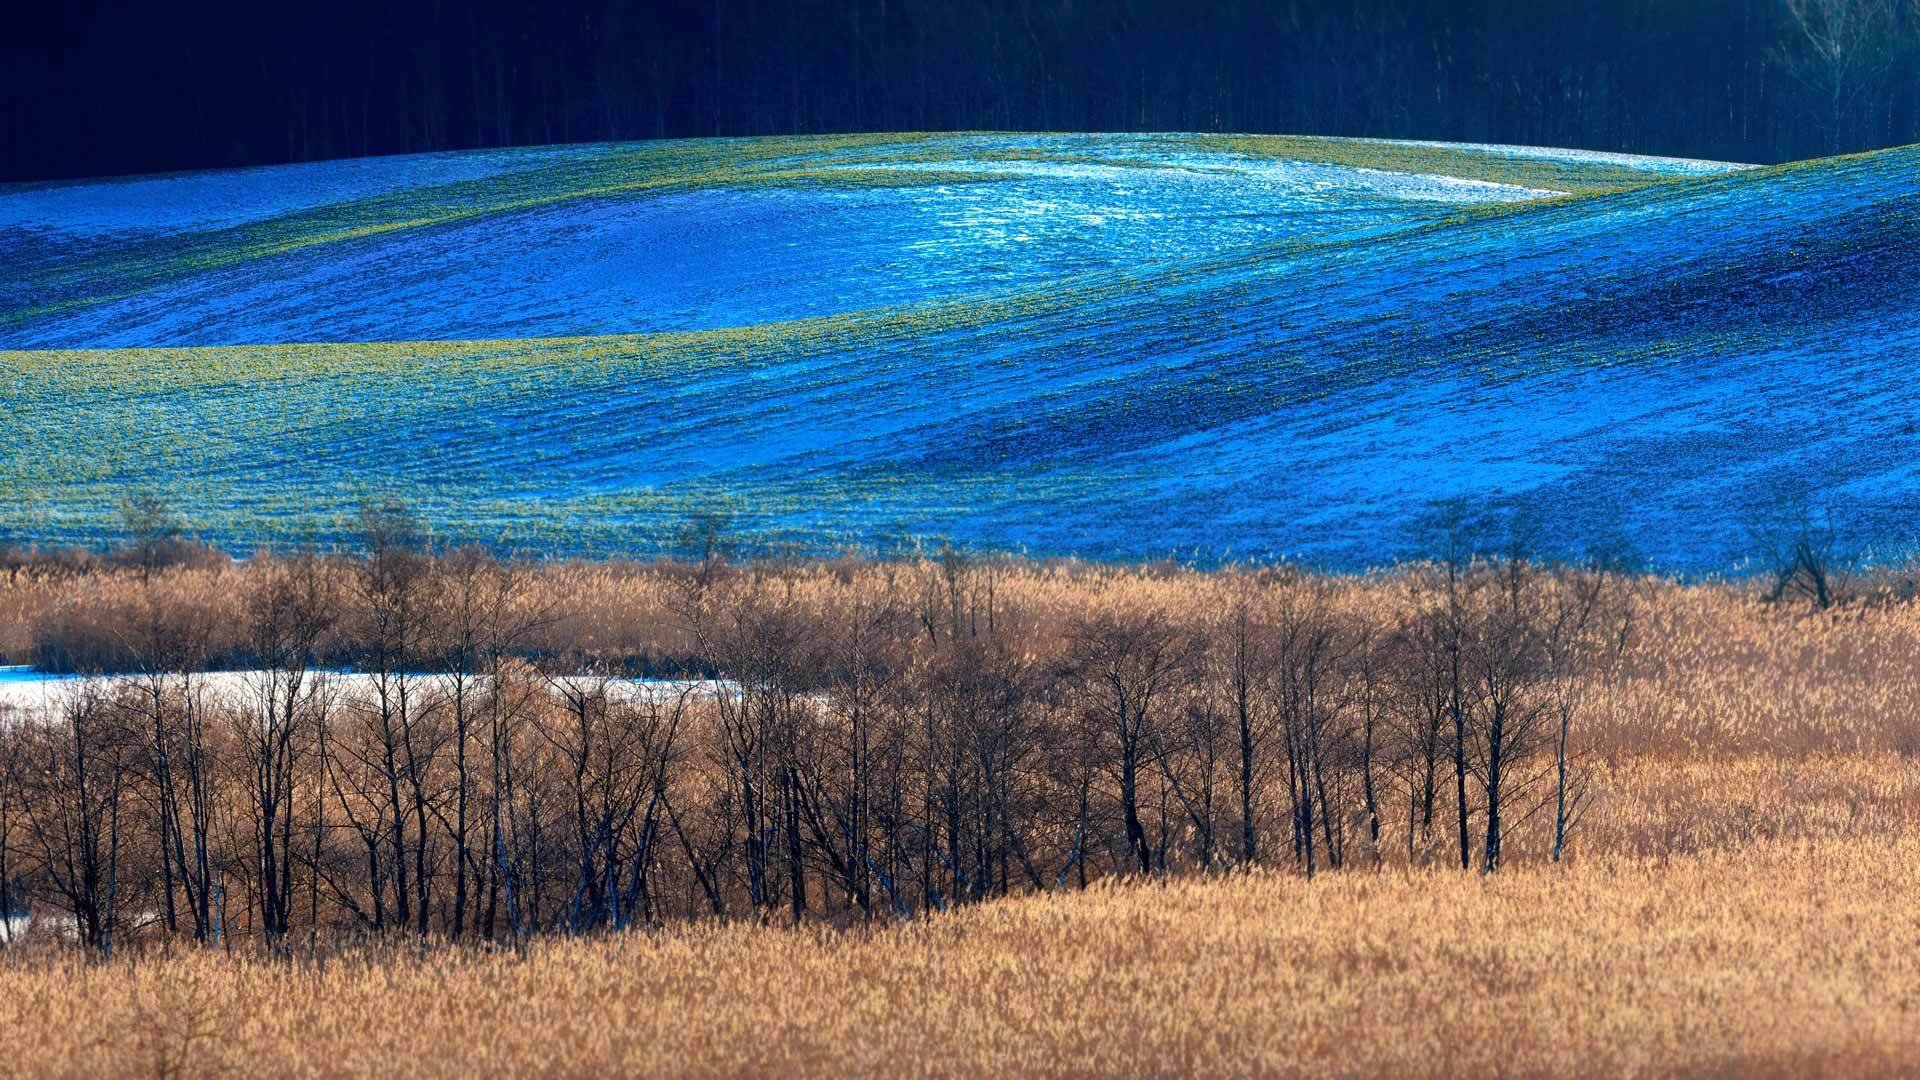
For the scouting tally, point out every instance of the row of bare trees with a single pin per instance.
(908, 742)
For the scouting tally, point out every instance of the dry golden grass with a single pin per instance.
(1711, 669)
(1776, 959)
(1741, 900)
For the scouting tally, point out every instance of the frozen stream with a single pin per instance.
(24, 689)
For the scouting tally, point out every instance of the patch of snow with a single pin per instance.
(1670, 166)
(30, 691)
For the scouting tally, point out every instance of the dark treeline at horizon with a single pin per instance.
(93, 89)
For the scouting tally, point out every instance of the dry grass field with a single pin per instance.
(1742, 898)
(1772, 959)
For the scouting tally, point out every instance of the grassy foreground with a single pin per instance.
(1779, 959)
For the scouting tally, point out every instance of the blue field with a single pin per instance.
(1110, 346)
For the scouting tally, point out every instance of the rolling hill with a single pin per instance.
(1112, 346)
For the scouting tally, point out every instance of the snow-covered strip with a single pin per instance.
(27, 690)
(1664, 166)
(1257, 178)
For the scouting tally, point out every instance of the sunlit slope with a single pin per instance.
(700, 234)
(1656, 357)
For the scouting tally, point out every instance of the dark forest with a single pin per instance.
(91, 89)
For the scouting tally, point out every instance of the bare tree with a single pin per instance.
(390, 589)
(1450, 585)
(1308, 689)
(1371, 694)
(287, 619)
(1127, 664)
(1800, 538)
(1843, 47)
(1509, 712)
(1241, 659)
(858, 664)
(617, 747)
(13, 807)
(168, 639)
(153, 530)
(1190, 751)
(1589, 626)
(754, 633)
(80, 796)
(475, 619)
(514, 696)
(1421, 691)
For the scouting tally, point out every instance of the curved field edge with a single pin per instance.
(57, 280)
(68, 282)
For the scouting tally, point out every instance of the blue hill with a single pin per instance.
(1110, 346)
